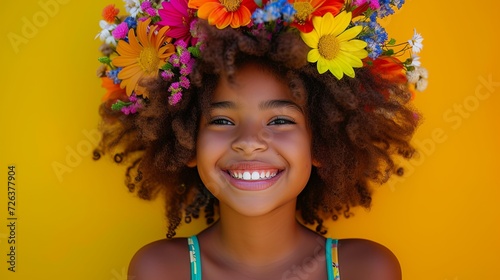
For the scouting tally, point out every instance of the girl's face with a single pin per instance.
(254, 146)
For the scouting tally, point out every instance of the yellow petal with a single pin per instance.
(353, 45)
(360, 54)
(345, 66)
(341, 22)
(311, 39)
(322, 65)
(350, 59)
(313, 55)
(350, 33)
(327, 24)
(336, 69)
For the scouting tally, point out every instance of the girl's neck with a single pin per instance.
(258, 241)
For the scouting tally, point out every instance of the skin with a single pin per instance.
(255, 125)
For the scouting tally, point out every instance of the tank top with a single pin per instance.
(332, 261)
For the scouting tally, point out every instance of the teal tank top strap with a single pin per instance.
(194, 257)
(332, 259)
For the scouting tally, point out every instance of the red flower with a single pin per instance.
(388, 68)
(307, 9)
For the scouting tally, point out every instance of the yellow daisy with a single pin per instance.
(333, 46)
(142, 56)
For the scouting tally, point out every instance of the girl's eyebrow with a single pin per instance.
(264, 105)
(279, 103)
(222, 105)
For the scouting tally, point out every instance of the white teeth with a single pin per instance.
(252, 175)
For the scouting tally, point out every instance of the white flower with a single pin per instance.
(415, 60)
(412, 76)
(418, 76)
(106, 36)
(423, 72)
(416, 42)
(106, 25)
(421, 85)
(133, 7)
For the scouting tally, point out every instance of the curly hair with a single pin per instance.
(358, 125)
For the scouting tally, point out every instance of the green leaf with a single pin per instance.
(391, 42)
(167, 66)
(104, 60)
(389, 52)
(119, 105)
(155, 19)
(195, 51)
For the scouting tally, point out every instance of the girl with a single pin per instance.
(235, 116)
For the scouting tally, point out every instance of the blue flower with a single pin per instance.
(131, 22)
(375, 36)
(113, 75)
(273, 11)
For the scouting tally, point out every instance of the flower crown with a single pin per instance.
(160, 38)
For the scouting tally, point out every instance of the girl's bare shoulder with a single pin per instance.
(164, 259)
(377, 261)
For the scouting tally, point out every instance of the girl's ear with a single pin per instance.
(316, 163)
(192, 162)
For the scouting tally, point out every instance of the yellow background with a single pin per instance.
(442, 219)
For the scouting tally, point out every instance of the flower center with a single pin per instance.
(304, 9)
(231, 5)
(148, 59)
(328, 46)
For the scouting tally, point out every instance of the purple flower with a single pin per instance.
(120, 31)
(175, 98)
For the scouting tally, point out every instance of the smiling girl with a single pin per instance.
(277, 128)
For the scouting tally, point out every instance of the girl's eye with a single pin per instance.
(281, 121)
(221, 122)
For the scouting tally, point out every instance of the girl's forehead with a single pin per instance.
(252, 83)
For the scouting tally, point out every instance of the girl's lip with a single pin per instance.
(251, 165)
(253, 185)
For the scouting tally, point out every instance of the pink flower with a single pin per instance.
(175, 98)
(120, 31)
(374, 4)
(178, 16)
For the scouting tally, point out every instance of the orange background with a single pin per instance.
(442, 219)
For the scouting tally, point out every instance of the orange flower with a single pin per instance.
(307, 9)
(143, 56)
(222, 13)
(113, 91)
(109, 13)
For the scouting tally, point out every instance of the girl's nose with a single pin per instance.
(251, 139)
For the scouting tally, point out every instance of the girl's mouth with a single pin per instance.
(253, 175)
